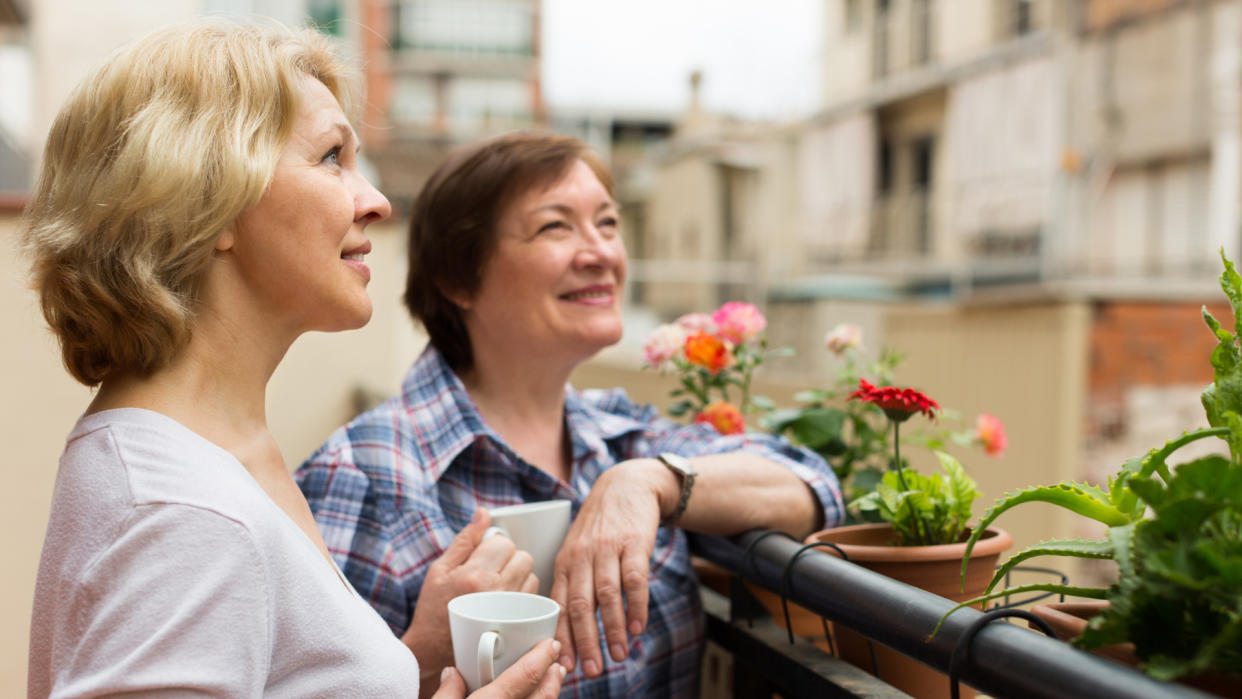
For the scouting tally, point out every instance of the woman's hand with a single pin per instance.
(534, 675)
(607, 555)
(467, 565)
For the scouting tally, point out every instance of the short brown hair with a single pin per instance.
(454, 223)
(154, 154)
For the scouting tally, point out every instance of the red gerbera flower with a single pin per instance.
(897, 403)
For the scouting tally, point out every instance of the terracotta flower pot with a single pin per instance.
(936, 569)
(1069, 620)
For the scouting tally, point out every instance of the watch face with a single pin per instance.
(677, 463)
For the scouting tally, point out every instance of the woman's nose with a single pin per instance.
(601, 248)
(370, 205)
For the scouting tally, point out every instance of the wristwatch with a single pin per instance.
(682, 467)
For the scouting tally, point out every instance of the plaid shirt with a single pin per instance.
(391, 489)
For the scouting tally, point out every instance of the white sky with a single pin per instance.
(760, 58)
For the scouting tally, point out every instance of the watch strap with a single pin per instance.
(685, 470)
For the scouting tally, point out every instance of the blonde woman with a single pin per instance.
(200, 207)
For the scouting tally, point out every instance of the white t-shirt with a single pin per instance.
(167, 569)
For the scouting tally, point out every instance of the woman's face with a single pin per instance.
(299, 251)
(552, 289)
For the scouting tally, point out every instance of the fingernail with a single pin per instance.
(566, 661)
(590, 667)
(635, 628)
(563, 670)
(556, 647)
(618, 652)
(446, 673)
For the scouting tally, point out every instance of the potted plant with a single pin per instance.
(920, 540)
(1175, 533)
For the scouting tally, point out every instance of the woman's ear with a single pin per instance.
(459, 299)
(224, 241)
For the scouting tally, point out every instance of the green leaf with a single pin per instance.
(963, 488)
(680, 408)
(762, 402)
(813, 395)
(1075, 548)
(1081, 498)
(1120, 539)
(817, 426)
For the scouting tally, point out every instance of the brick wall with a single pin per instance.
(1144, 344)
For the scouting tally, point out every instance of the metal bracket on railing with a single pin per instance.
(1064, 579)
(961, 652)
(785, 578)
(785, 575)
(747, 561)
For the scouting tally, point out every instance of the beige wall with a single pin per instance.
(311, 394)
(684, 224)
(1024, 364)
(39, 407)
(68, 38)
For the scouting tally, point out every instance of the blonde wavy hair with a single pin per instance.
(152, 156)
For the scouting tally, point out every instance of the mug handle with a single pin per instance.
(490, 645)
(495, 531)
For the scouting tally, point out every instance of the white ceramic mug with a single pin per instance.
(539, 528)
(491, 630)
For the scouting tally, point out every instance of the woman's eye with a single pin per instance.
(332, 157)
(551, 226)
(609, 222)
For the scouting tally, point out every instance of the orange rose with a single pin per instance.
(725, 417)
(708, 351)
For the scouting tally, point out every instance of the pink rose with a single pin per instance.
(664, 343)
(695, 322)
(990, 432)
(738, 322)
(844, 337)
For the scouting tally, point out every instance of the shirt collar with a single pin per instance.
(591, 424)
(445, 414)
(442, 413)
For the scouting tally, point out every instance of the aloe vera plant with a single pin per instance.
(1174, 532)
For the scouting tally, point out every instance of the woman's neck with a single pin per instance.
(525, 404)
(216, 386)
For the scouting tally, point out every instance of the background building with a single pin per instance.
(1027, 198)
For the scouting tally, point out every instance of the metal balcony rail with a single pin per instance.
(1003, 659)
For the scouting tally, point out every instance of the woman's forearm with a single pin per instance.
(739, 491)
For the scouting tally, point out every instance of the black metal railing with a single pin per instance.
(1003, 660)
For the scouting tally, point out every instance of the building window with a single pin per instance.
(489, 104)
(467, 27)
(1020, 17)
(853, 15)
(414, 101)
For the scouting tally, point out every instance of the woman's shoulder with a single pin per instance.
(145, 458)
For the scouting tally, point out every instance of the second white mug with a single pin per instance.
(539, 528)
